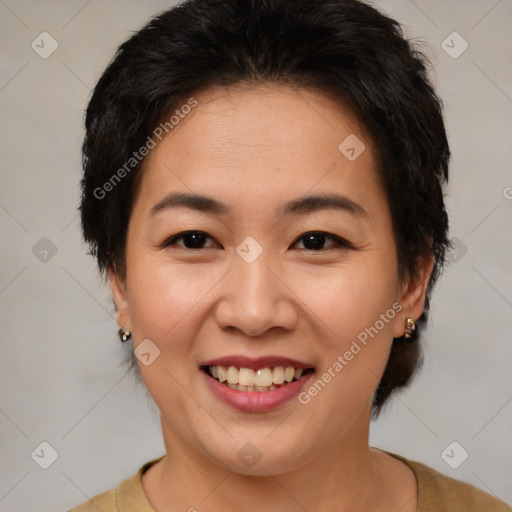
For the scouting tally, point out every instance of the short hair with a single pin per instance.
(344, 48)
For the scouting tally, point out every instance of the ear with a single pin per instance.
(118, 287)
(413, 293)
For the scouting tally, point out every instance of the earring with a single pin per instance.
(410, 327)
(124, 334)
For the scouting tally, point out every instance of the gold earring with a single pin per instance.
(410, 327)
(124, 334)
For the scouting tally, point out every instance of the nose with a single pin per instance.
(256, 298)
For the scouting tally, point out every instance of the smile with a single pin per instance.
(259, 380)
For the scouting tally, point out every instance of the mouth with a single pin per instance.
(256, 385)
(259, 380)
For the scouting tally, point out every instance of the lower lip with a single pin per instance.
(256, 401)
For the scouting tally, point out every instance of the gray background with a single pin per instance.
(61, 377)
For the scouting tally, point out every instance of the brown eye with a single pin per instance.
(191, 240)
(315, 241)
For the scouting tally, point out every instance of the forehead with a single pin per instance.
(266, 143)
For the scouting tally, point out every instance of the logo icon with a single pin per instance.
(249, 250)
(454, 45)
(249, 455)
(44, 455)
(454, 455)
(352, 147)
(146, 352)
(457, 251)
(44, 250)
(44, 45)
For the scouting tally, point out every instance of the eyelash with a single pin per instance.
(339, 242)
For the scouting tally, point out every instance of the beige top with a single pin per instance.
(436, 493)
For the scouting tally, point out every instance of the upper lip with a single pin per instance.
(256, 363)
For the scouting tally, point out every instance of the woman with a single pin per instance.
(263, 187)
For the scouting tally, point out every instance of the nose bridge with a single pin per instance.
(254, 299)
(255, 282)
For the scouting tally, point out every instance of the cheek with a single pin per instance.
(353, 298)
(166, 299)
(356, 309)
(164, 305)
(362, 316)
(158, 299)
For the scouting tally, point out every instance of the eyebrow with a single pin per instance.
(303, 205)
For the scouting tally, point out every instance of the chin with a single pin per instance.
(257, 458)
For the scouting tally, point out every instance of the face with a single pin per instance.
(284, 268)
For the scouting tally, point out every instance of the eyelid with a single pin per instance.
(168, 241)
(339, 241)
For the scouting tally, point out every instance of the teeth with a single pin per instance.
(278, 377)
(288, 374)
(222, 373)
(232, 375)
(251, 389)
(264, 379)
(246, 377)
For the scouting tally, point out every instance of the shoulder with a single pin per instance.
(127, 497)
(441, 493)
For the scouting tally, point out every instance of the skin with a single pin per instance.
(255, 148)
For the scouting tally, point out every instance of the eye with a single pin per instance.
(191, 240)
(315, 240)
(312, 241)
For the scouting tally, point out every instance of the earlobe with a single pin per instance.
(414, 293)
(119, 293)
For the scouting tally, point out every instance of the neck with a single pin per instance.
(349, 475)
